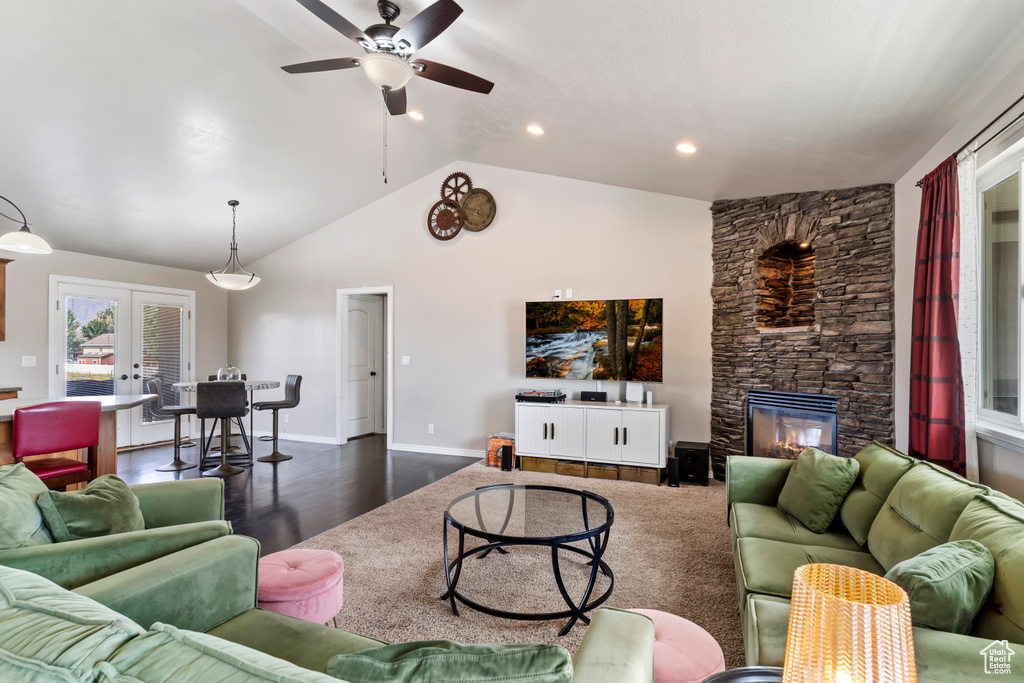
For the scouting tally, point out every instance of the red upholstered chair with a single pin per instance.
(53, 428)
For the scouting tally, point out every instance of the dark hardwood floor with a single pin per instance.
(281, 504)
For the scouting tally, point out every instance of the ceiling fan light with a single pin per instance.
(386, 70)
(24, 242)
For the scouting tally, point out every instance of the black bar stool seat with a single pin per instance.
(291, 399)
(222, 401)
(155, 386)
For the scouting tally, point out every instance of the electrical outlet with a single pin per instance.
(287, 418)
(568, 292)
(430, 429)
(28, 361)
(406, 360)
(558, 294)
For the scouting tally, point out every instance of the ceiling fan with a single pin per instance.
(388, 63)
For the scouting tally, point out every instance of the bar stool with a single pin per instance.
(155, 386)
(291, 399)
(232, 447)
(222, 401)
(54, 428)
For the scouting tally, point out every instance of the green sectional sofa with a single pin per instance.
(177, 602)
(898, 508)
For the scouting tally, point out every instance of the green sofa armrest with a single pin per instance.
(617, 648)
(755, 480)
(73, 563)
(167, 503)
(194, 589)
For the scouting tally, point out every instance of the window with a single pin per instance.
(1000, 290)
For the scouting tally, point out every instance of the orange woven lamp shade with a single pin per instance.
(848, 626)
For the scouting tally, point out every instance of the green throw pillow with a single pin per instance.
(443, 660)
(105, 506)
(816, 486)
(22, 523)
(947, 584)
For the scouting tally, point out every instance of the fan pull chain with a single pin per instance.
(384, 112)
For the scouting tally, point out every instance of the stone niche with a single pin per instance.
(803, 302)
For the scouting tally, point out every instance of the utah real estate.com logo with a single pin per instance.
(997, 657)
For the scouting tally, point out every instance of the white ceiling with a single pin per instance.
(126, 126)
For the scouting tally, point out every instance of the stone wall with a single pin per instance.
(847, 351)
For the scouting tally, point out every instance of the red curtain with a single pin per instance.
(936, 380)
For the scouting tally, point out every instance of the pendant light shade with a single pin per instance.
(233, 276)
(22, 241)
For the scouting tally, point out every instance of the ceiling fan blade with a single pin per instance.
(322, 65)
(451, 76)
(338, 22)
(426, 26)
(395, 99)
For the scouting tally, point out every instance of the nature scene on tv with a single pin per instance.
(598, 340)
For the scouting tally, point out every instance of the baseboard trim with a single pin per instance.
(439, 450)
(330, 440)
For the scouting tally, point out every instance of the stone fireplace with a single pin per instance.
(803, 303)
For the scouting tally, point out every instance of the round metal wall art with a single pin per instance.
(478, 208)
(445, 219)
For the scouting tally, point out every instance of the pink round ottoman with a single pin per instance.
(305, 584)
(683, 651)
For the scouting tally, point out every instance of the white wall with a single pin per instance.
(28, 310)
(459, 305)
(1000, 468)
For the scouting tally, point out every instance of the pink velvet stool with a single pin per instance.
(305, 584)
(683, 651)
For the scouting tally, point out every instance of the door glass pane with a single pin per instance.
(161, 353)
(90, 346)
(1001, 330)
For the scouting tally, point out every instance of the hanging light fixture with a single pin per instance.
(233, 276)
(22, 241)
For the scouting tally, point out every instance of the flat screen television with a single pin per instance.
(615, 339)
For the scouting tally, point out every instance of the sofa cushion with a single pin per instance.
(22, 522)
(44, 627)
(919, 513)
(442, 661)
(767, 567)
(168, 654)
(765, 627)
(816, 487)
(105, 506)
(999, 526)
(947, 584)
(880, 468)
(750, 520)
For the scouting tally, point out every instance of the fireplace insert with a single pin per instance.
(781, 424)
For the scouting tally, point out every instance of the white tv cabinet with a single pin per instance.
(607, 433)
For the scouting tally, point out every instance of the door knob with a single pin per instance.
(136, 376)
(136, 366)
(373, 373)
(123, 377)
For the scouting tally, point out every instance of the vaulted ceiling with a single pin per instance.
(127, 125)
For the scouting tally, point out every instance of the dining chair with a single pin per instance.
(53, 428)
(231, 446)
(222, 401)
(155, 386)
(291, 399)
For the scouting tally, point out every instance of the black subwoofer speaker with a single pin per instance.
(691, 461)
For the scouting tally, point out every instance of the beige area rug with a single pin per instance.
(668, 550)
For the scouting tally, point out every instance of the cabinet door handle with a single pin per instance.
(545, 430)
(616, 436)
(625, 433)
(552, 430)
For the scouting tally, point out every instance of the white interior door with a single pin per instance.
(160, 349)
(365, 320)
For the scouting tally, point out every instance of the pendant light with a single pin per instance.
(233, 276)
(22, 241)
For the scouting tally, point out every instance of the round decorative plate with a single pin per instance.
(479, 208)
(456, 186)
(445, 219)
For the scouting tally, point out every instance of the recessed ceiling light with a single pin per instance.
(686, 148)
(416, 115)
(536, 130)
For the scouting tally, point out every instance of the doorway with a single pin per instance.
(365, 374)
(110, 338)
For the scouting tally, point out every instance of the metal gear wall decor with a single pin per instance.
(455, 186)
(445, 219)
(478, 209)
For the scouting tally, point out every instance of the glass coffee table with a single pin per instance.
(507, 515)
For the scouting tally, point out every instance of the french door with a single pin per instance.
(109, 339)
